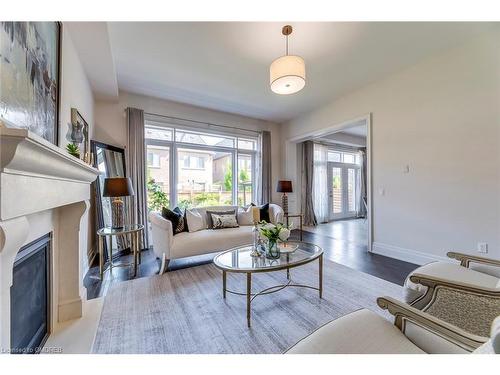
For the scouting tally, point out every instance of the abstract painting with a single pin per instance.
(29, 76)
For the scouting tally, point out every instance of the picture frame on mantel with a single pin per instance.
(80, 135)
(30, 71)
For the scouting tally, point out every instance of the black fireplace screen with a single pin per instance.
(29, 297)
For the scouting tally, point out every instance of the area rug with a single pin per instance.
(183, 311)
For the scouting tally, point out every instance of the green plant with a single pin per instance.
(156, 196)
(228, 180)
(184, 203)
(73, 150)
(244, 177)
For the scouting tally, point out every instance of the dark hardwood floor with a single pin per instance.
(348, 253)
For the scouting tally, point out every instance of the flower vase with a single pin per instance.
(272, 250)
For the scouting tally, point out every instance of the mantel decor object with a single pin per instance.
(116, 188)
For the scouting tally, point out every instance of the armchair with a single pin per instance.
(413, 332)
(466, 294)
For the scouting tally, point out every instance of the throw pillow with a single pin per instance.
(224, 221)
(194, 221)
(264, 212)
(245, 217)
(176, 217)
(210, 224)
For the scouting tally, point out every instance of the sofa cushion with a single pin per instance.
(245, 216)
(264, 212)
(176, 217)
(449, 271)
(224, 221)
(209, 241)
(360, 332)
(210, 223)
(195, 221)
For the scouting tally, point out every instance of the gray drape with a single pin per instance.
(265, 167)
(136, 169)
(362, 198)
(307, 183)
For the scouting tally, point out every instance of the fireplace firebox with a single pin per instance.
(30, 297)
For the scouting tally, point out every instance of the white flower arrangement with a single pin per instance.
(274, 232)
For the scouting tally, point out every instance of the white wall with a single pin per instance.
(441, 117)
(76, 93)
(111, 122)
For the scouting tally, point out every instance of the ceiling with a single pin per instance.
(225, 66)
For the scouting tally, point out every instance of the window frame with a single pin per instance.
(173, 147)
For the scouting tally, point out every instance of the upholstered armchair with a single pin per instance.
(413, 332)
(466, 294)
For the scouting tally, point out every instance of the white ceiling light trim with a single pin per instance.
(287, 74)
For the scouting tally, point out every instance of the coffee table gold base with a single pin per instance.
(273, 289)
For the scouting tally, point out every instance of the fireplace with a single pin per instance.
(30, 297)
(43, 190)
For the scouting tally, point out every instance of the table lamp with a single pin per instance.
(284, 186)
(116, 188)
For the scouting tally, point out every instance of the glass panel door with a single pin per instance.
(335, 192)
(342, 181)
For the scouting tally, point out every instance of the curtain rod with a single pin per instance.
(202, 122)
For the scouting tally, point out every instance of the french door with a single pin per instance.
(343, 182)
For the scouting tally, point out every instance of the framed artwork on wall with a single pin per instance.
(30, 64)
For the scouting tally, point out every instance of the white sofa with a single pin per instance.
(166, 246)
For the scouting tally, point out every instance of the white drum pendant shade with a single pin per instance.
(287, 74)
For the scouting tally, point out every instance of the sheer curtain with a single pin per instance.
(361, 196)
(320, 186)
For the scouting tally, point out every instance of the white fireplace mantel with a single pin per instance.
(38, 177)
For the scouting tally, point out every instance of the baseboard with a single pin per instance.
(407, 255)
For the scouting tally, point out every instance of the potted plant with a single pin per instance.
(73, 150)
(273, 233)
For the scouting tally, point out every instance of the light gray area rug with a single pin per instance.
(183, 311)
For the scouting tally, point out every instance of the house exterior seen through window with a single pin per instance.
(191, 169)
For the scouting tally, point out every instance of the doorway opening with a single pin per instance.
(341, 182)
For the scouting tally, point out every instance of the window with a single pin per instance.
(153, 159)
(245, 179)
(189, 168)
(158, 177)
(208, 179)
(203, 139)
(343, 157)
(348, 158)
(334, 156)
(194, 162)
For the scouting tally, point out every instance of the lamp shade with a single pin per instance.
(284, 186)
(287, 74)
(117, 187)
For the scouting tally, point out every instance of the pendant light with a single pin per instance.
(287, 74)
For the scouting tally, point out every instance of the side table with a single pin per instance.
(133, 231)
(300, 216)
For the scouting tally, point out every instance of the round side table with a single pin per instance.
(133, 231)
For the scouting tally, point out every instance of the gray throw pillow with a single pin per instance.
(224, 221)
(210, 224)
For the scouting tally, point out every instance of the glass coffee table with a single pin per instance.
(238, 260)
